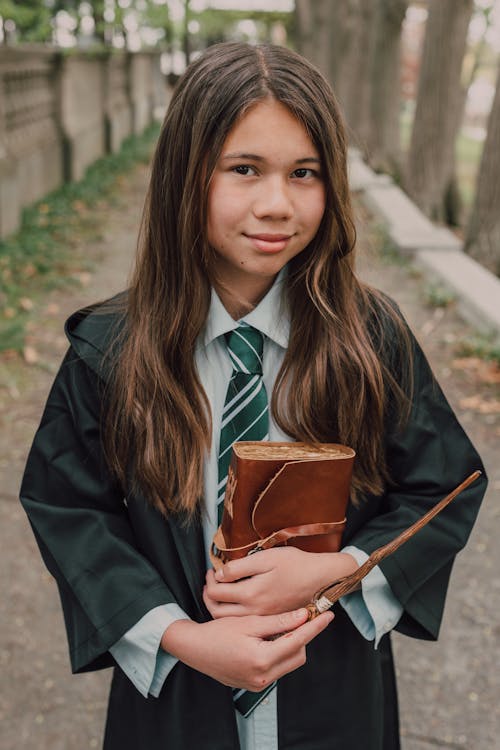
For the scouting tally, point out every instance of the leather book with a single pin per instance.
(284, 493)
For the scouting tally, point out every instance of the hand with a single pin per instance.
(272, 581)
(236, 650)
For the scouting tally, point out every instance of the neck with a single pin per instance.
(240, 302)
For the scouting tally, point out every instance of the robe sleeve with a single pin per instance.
(427, 458)
(80, 521)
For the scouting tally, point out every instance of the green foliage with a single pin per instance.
(49, 250)
(485, 347)
(219, 25)
(31, 17)
(438, 295)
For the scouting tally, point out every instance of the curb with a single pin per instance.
(436, 250)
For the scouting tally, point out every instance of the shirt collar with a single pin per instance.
(270, 316)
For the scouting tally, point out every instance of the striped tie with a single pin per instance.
(245, 417)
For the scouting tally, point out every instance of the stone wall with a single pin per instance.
(60, 112)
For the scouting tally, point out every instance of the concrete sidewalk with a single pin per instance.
(434, 248)
(449, 691)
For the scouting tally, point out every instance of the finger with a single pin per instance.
(209, 576)
(243, 568)
(222, 609)
(286, 644)
(207, 600)
(309, 630)
(269, 625)
(238, 591)
(227, 610)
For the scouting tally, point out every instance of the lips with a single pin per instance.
(269, 243)
(270, 237)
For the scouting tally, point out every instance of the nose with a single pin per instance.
(273, 200)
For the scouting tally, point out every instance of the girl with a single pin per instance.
(247, 237)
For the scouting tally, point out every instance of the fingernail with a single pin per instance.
(299, 613)
(219, 575)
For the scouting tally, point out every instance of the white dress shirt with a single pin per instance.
(373, 609)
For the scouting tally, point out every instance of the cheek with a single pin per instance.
(222, 217)
(314, 211)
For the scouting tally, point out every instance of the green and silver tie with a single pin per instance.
(245, 417)
(246, 414)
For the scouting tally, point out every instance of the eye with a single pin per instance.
(244, 169)
(302, 173)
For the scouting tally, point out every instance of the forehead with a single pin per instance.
(271, 127)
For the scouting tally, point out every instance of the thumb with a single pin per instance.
(273, 625)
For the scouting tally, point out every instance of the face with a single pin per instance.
(266, 199)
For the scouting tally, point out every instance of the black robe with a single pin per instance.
(114, 558)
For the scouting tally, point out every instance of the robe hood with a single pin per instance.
(95, 333)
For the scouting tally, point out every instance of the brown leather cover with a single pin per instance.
(284, 493)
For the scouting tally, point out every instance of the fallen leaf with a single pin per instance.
(480, 405)
(9, 313)
(52, 309)
(26, 304)
(30, 355)
(79, 206)
(466, 363)
(29, 270)
(486, 371)
(84, 277)
(9, 354)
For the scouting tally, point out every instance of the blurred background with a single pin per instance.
(83, 87)
(416, 80)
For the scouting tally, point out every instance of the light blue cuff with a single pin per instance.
(374, 609)
(138, 652)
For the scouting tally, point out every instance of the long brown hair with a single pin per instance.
(339, 381)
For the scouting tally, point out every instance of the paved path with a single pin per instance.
(449, 692)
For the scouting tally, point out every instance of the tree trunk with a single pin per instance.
(324, 34)
(483, 232)
(304, 29)
(314, 32)
(99, 21)
(342, 34)
(430, 166)
(384, 143)
(355, 83)
(321, 35)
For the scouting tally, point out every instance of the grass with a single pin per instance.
(484, 347)
(48, 251)
(438, 295)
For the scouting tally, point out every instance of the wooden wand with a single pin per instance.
(327, 596)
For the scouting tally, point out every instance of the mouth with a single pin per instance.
(269, 243)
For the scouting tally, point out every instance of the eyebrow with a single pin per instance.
(256, 157)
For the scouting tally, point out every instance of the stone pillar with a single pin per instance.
(117, 104)
(31, 163)
(140, 90)
(82, 111)
(162, 91)
(10, 208)
(60, 112)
